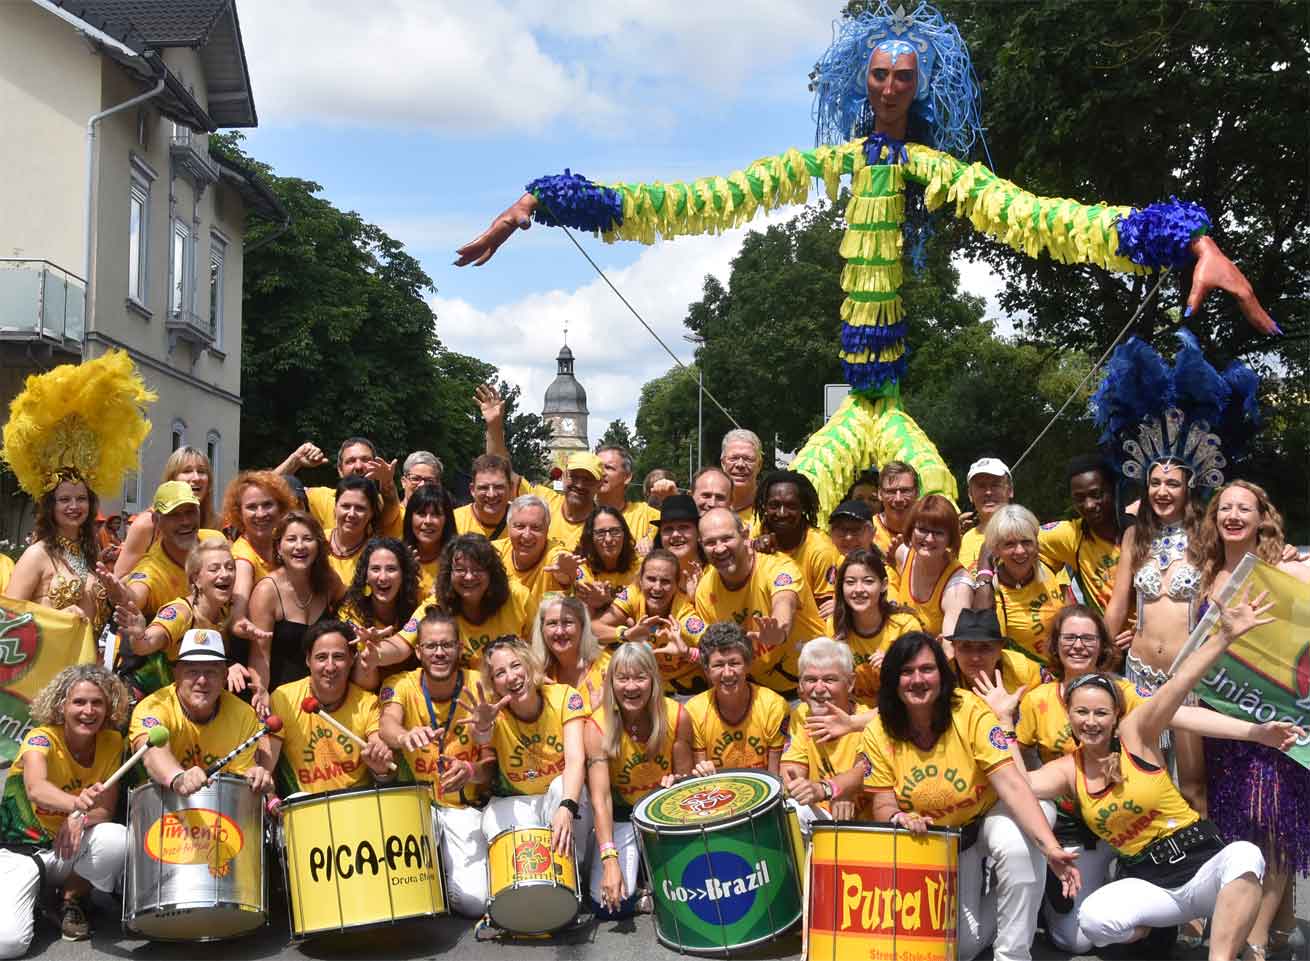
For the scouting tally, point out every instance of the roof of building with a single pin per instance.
(565, 394)
(171, 23)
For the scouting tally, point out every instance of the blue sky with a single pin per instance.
(428, 119)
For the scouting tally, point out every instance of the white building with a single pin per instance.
(117, 227)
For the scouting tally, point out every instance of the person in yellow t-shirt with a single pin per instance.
(655, 612)
(741, 456)
(850, 527)
(429, 526)
(787, 507)
(809, 766)
(474, 589)
(531, 558)
(898, 492)
(990, 489)
(490, 489)
(644, 741)
(564, 644)
(1173, 865)
(423, 717)
(616, 463)
(866, 619)
(1087, 547)
(211, 572)
(380, 604)
(55, 800)
(356, 521)
(764, 594)
(308, 755)
(204, 722)
(609, 558)
(357, 457)
(936, 756)
(160, 575)
(1025, 593)
(570, 508)
(932, 583)
(252, 506)
(735, 724)
(979, 649)
(535, 731)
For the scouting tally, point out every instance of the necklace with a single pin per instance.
(338, 552)
(71, 554)
(303, 605)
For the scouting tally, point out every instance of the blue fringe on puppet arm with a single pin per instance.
(1161, 235)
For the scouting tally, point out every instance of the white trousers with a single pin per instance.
(99, 861)
(1112, 914)
(464, 854)
(537, 811)
(625, 840)
(1094, 869)
(1006, 917)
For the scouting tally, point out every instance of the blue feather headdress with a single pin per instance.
(947, 97)
(1189, 414)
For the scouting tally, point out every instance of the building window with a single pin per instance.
(132, 490)
(214, 451)
(179, 435)
(138, 242)
(217, 251)
(182, 297)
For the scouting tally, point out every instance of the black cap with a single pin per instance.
(858, 510)
(679, 507)
(977, 625)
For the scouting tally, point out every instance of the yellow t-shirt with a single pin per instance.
(562, 530)
(971, 545)
(1026, 612)
(513, 617)
(466, 522)
(177, 617)
(633, 772)
(818, 561)
(641, 519)
(1044, 722)
(948, 782)
(929, 611)
(316, 757)
(592, 683)
(243, 551)
(530, 754)
(345, 566)
(1130, 816)
(1070, 546)
(323, 505)
(6, 571)
(199, 745)
(868, 677)
(680, 677)
(407, 691)
(29, 819)
(822, 761)
(763, 729)
(882, 539)
(163, 578)
(770, 575)
(747, 515)
(615, 579)
(427, 581)
(536, 580)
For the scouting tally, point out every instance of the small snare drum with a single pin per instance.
(533, 889)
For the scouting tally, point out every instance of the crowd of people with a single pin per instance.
(550, 654)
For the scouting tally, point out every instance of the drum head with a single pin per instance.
(704, 802)
(533, 908)
(208, 923)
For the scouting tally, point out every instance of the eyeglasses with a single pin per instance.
(926, 532)
(608, 533)
(433, 646)
(468, 572)
(1080, 640)
(740, 459)
(890, 492)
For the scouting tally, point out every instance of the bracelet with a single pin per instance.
(172, 784)
(570, 805)
(608, 846)
(831, 785)
(1011, 736)
(606, 855)
(619, 634)
(985, 573)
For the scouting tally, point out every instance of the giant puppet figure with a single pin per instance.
(897, 108)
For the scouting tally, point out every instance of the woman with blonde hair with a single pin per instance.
(566, 647)
(1026, 593)
(643, 739)
(252, 506)
(187, 464)
(56, 817)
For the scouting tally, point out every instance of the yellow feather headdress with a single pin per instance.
(81, 421)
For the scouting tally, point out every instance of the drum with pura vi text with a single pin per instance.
(721, 856)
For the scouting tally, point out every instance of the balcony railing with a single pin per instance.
(184, 324)
(40, 300)
(191, 153)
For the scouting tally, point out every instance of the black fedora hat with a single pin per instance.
(679, 507)
(978, 625)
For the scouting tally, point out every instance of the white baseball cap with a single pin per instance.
(202, 644)
(989, 465)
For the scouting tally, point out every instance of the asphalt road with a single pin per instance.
(627, 941)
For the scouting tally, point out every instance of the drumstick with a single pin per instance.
(272, 724)
(310, 705)
(156, 737)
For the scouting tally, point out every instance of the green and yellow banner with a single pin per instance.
(1265, 675)
(36, 643)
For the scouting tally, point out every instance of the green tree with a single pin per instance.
(666, 425)
(526, 435)
(617, 433)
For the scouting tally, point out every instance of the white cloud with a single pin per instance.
(513, 66)
(978, 278)
(614, 353)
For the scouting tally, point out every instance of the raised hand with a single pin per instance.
(381, 471)
(832, 725)
(1243, 614)
(490, 403)
(245, 627)
(565, 568)
(484, 711)
(308, 455)
(768, 633)
(1279, 735)
(1214, 270)
(131, 622)
(518, 216)
(115, 590)
(597, 595)
(417, 738)
(1003, 704)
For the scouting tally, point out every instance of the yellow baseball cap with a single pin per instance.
(170, 495)
(585, 460)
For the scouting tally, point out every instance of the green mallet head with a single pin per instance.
(157, 737)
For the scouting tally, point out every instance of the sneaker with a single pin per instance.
(645, 903)
(73, 925)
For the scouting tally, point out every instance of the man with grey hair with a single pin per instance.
(742, 457)
(613, 490)
(529, 555)
(421, 467)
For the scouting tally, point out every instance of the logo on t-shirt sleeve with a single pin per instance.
(1050, 525)
(694, 624)
(387, 694)
(622, 595)
(168, 613)
(575, 701)
(410, 625)
(782, 580)
(137, 576)
(149, 721)
(998, 739)
(38, 740)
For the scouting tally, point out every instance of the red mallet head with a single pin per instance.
(273, 723)
(310, 705)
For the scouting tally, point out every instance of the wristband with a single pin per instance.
(1011, 736)
(985, 573)
(571, 806)
(607, 855)
(621, 633)
(831, 785)
(608, 846)
(172, 784)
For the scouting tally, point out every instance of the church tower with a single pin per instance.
(566, 406)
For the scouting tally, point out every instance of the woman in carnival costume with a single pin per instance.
(73, 432)
(1168, 427)
(896, 105)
